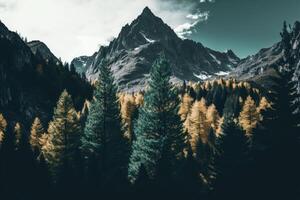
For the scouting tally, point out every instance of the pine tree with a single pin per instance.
(103, 137)
(249, 116)
(159, 131)
(35, 134)
(64, 134)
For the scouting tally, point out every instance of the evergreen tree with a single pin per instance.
(103, 138)
(159, 131)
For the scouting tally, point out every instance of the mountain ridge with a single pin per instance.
(132, 53)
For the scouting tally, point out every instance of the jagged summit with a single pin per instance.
(147, 12)
(146, 28)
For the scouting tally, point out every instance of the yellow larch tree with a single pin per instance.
(185, 106)
(198, 125)
(36, 132)
(213, 117)
(249, 116)
(219, 128)
(264, 104)
(139, 99)
(128, 107)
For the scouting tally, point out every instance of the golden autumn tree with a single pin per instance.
(35, 134)
(185, 106)
(264, 104)
(3, 125)
(219, 128)
(128, 107)
(139, 99)
(64, 135)
(249, 116)
(197, 125)
(213, 117)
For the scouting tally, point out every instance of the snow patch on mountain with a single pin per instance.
(221, 73)
(215, 58)
(147, 39)
(203, 76)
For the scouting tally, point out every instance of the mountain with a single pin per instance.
(41, 50)
(132, 53)
(260, 67)
(31, 79)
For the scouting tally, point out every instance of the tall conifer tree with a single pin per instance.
(159, 132)
(103, 139)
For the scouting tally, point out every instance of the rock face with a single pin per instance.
(132, 53)
(31, 79)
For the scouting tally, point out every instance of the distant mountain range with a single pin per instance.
(132, 53)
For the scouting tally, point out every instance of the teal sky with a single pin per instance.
(245, 26)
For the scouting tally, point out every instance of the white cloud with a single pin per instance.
(76, 27)
(185, 29)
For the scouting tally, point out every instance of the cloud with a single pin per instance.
(77, 27)
(184, 30)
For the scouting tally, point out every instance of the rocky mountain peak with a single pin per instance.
(132, 53)
(145, 29)
(147, 12)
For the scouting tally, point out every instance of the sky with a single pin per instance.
(72, 28)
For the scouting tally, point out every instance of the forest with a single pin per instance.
(218, 139)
